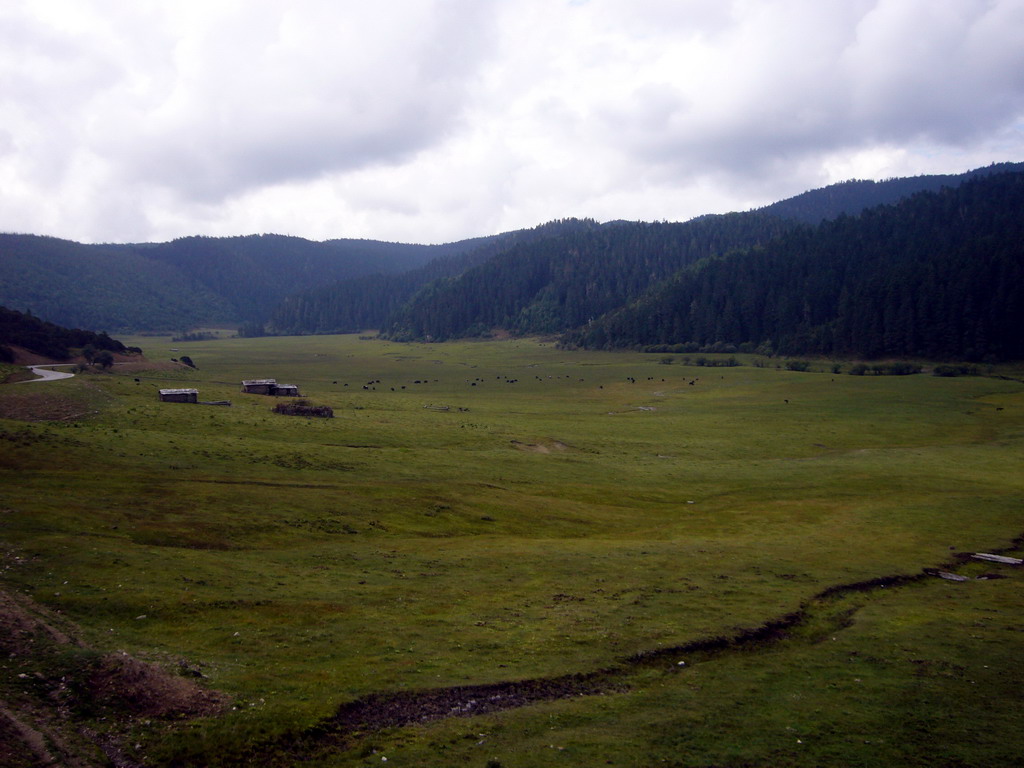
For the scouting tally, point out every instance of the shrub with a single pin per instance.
(885, 369)
(302, 408)
(955, 370)
(901, 369)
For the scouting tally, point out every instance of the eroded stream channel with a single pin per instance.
(822, 615)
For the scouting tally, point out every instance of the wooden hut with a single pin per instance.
(259, 386)
(269, 387)
(179, 395)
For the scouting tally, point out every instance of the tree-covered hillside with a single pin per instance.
(566, 273)
(852, 197)
(561, 282)
(256, 272)
(24, 330)
(101, 287)
(186, 282)
(550, 279)
(940, 275)
(368, 301)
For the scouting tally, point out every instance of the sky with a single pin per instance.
(436, 120)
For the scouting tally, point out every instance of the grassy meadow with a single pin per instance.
(568, 511)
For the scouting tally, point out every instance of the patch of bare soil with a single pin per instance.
(546, 446)
(44, 403)
(63, 703)
(22, 745)
(21, 374)
(389, 710)
(122, 684)
(138, 364)
(24, 356)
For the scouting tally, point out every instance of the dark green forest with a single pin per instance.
(24, 330)
(928, 273)
(562, 282)
(939, 275)
(565, 274)
(368, 301)
(188, 282)
(852, 197)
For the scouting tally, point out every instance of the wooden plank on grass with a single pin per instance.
(997, 558)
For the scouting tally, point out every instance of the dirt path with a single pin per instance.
(46, 374)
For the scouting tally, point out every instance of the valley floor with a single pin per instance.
(507, 554)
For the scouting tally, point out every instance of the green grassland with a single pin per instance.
(568, 511)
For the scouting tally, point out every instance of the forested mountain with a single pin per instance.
(103, 287)
(255, 273)
(939, 275)
(186, 282)
(550, 279)
(43, 338)
(560, 275)
(368, 301)
(561, 282)
(852, 197)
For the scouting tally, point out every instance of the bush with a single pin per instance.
(708, 362)
(302, 408)
(797, 365)
(955, 370)
(885, 369)
(103, 359)
(902, 369)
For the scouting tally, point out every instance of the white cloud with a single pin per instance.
(432, 120)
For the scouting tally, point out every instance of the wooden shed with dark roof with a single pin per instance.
(179, 395)
(259, 386)
(269, 387)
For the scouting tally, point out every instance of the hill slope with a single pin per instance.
(562, 282)
(186, 282)
(369, 301)
(559, 276)
(46, 339)
(939, 275)
(852, 197)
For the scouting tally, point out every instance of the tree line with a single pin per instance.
(24, 330)
(939, 275)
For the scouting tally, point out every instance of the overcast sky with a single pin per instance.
(436, 120)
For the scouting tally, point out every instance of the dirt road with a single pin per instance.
(46, 374)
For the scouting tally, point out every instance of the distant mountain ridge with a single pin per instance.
(551, 279)
(368, 301)
(560, 278)
(196, 281)
(187, 282)
(853, 196)
(558, 283)
(939, 275)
